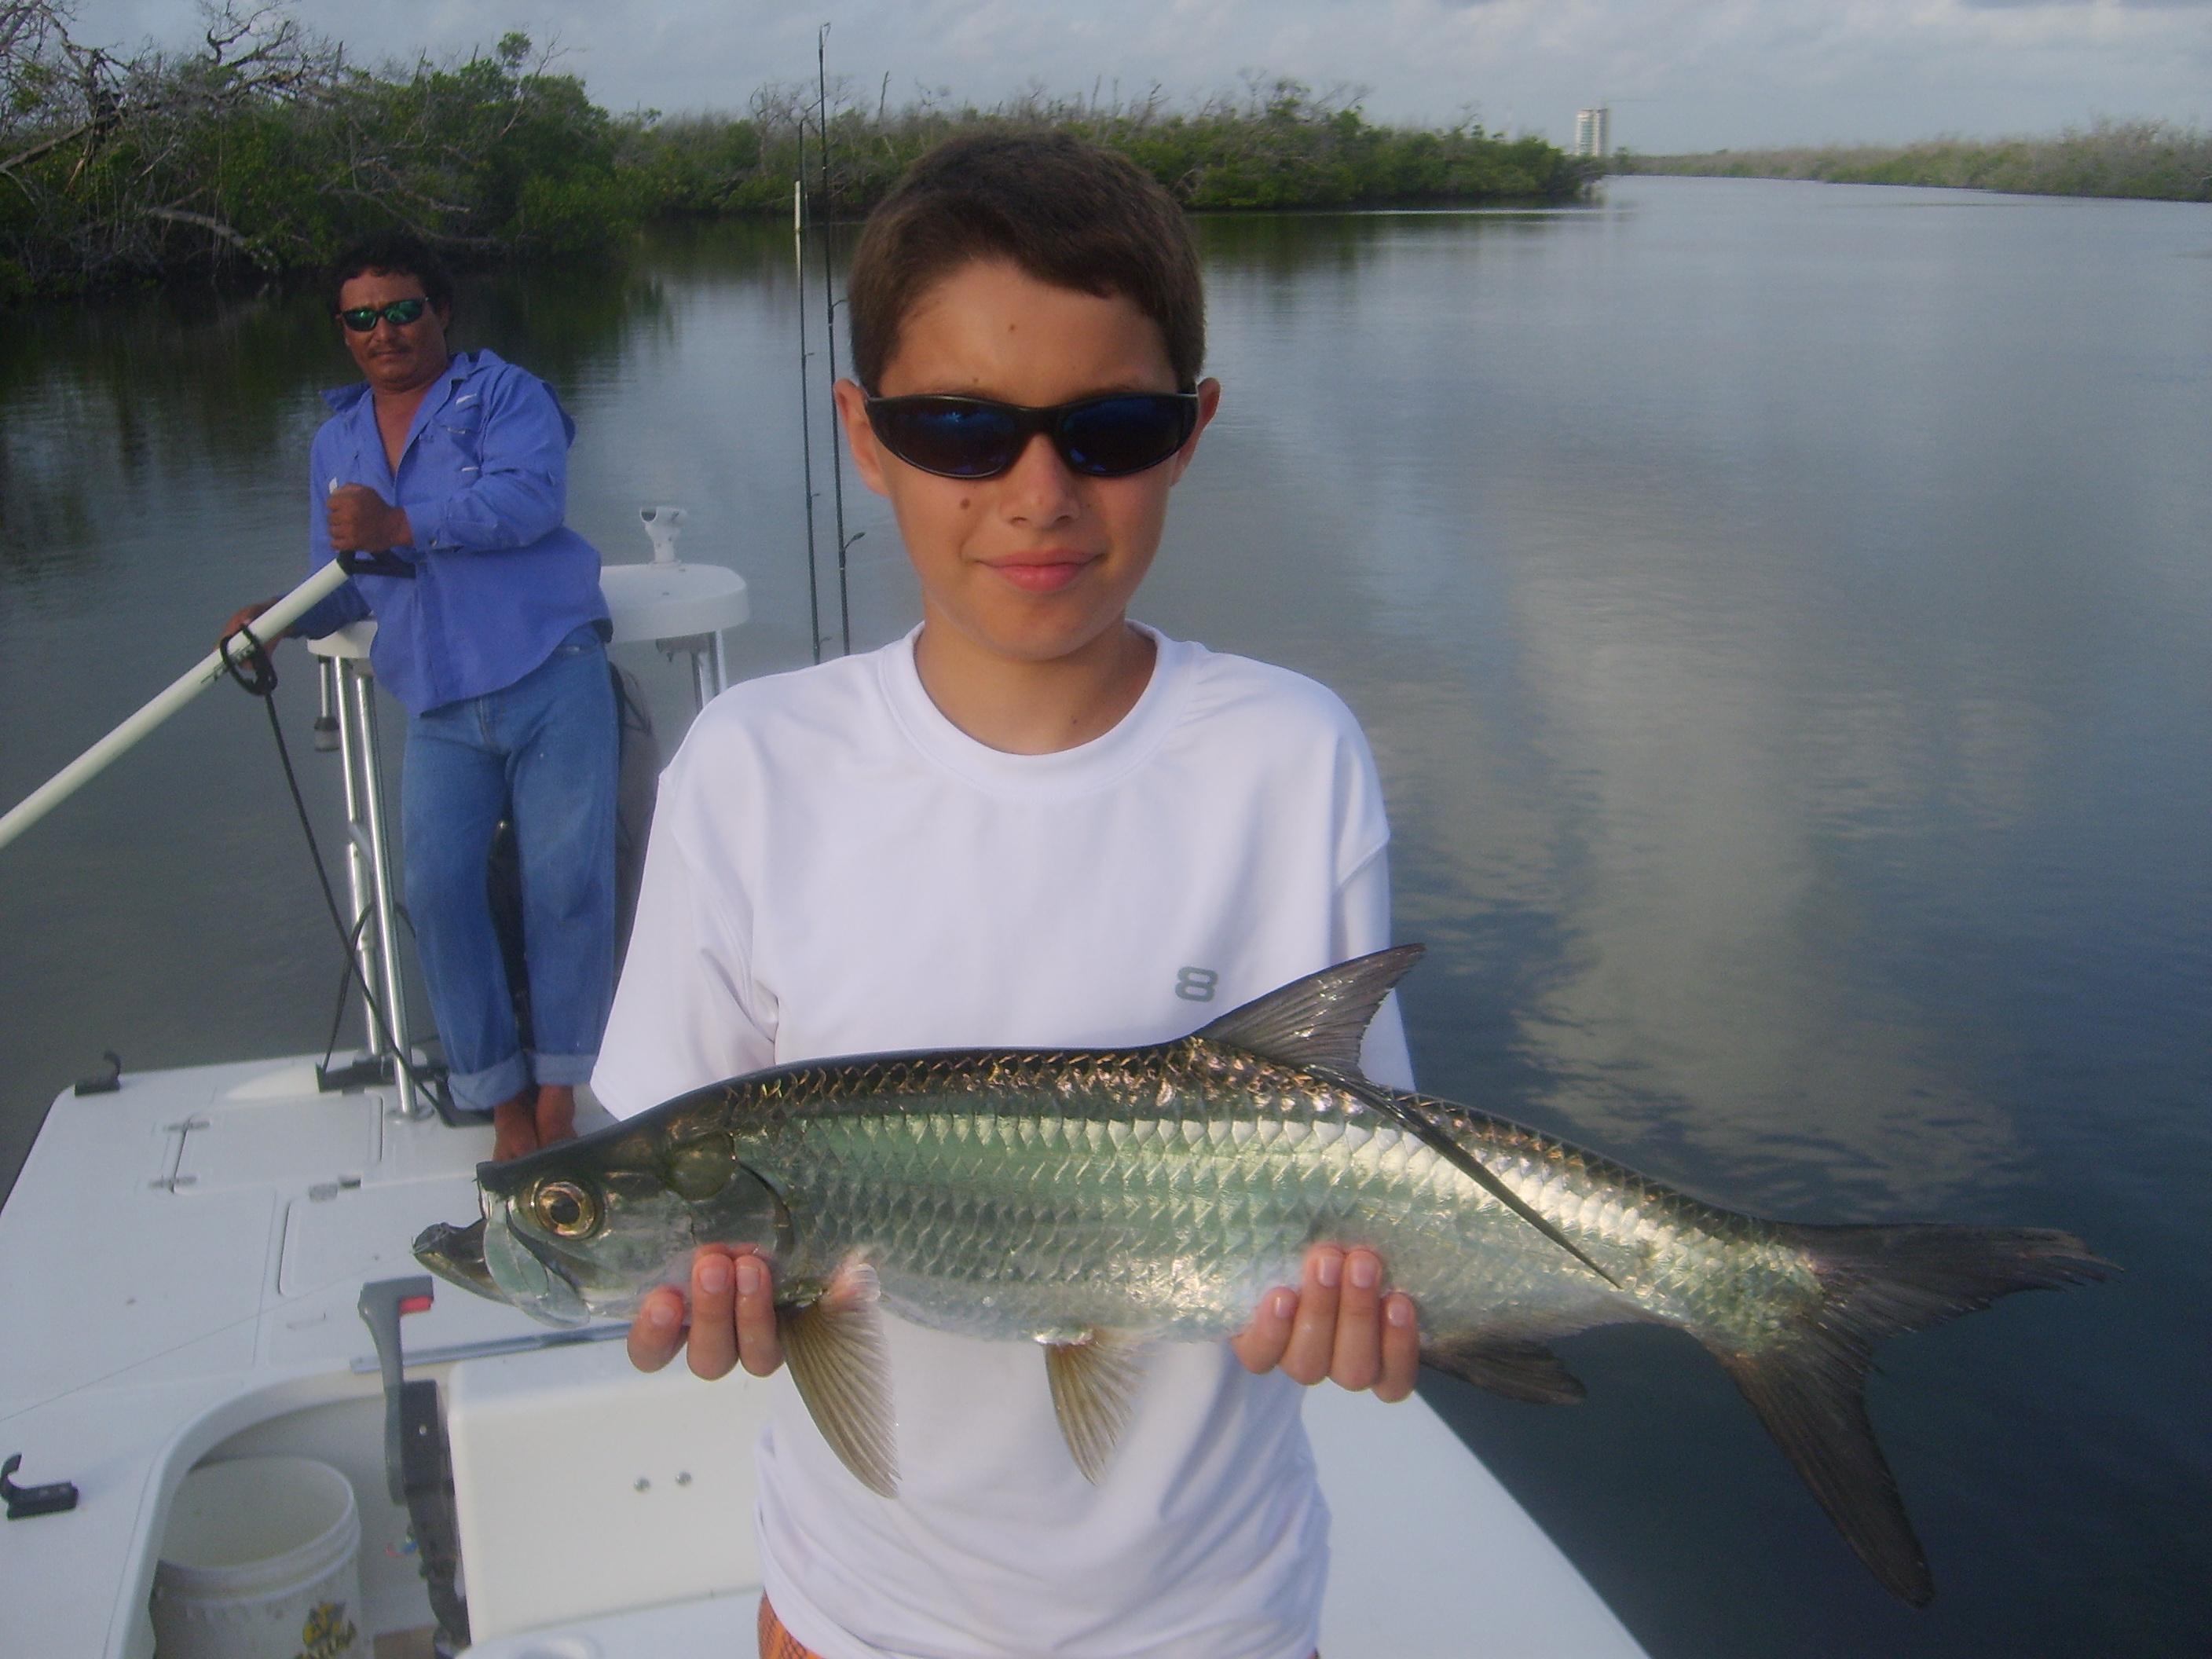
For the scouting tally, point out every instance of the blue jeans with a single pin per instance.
(541, 753)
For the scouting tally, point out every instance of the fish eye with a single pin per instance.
(564, 1209)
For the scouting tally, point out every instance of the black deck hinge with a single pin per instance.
(104, 1086)
(361, 1074)
(24, 1502)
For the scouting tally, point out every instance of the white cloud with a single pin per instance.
(1684, 74)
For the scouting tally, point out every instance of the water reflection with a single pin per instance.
(1675, 671)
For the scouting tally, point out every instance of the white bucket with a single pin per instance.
(260, 1562)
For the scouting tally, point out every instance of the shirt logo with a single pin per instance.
(1196, 984)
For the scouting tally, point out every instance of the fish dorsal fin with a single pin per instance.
(1095, 1379)
(835, 1347)
(1317, 1021)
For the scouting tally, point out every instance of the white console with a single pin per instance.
(587, 1488)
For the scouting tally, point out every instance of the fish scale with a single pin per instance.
(1325, 1166)
(865, 1139)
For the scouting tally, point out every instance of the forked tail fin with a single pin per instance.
(1808, 1388)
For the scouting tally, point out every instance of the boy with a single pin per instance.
(1028, 824)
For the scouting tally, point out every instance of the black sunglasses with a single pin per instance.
(398, 313)
(1108, 437)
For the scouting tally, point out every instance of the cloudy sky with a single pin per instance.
(1680, 74)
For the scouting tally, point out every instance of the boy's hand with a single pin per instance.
(1338, 1324)
(733, 1309)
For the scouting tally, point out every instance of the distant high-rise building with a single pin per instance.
(1594, 131)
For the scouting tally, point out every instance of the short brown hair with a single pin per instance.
(1067, 212)
(391, 253)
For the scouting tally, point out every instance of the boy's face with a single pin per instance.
(1040, 561)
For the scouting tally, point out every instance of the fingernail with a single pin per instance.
(661, 1312)
(1366, 1271)
(749, 1276)
(714, 1276)
(1285, 1304)
(1400, 1312)
(1330, 1270)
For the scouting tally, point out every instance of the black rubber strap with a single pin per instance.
(376, 564)
(262, 678)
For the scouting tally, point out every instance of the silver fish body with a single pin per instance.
(1095, 1201)
(1010, 1196)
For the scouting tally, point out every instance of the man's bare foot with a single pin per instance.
(514, 1127)
(556, 1113)
(536, 1117)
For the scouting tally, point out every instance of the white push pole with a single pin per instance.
(72, 778)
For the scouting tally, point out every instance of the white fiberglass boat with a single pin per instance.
(185, 1259)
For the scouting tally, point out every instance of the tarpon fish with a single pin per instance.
(1096, 1201)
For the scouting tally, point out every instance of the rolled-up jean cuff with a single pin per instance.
(568, 1070)
(479, 1091)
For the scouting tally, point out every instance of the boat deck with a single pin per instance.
(182, 1258)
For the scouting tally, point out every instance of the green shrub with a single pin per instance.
(265, 150)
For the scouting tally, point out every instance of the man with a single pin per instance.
(442, 480)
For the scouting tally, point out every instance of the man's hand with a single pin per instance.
(245, 615)
(361, 521)
(733, 1309)
(1337, 1325)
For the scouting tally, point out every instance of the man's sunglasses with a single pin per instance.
(398, 313)
(1108, 437)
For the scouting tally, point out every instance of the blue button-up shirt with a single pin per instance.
(499, 580)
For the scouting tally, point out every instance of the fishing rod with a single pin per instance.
(805, 409)
(238, 650)
(829, 315)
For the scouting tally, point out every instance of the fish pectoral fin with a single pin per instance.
(1512, 1366)
(1095, 1379)
(1319, 1020)
(835, 1347)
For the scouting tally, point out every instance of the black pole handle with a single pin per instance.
(382, 1305)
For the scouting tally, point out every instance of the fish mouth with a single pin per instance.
(456, 1255)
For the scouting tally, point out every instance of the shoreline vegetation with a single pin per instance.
(2160, 160)
(255, 154)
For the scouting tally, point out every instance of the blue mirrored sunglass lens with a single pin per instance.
(401, 313)
(961, 439)
(1116, 435)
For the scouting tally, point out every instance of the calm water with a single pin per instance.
(1783, 616)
